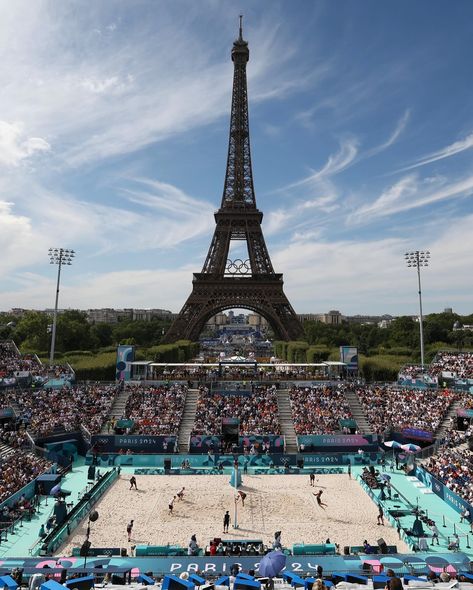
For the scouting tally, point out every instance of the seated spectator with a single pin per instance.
(46, 411)
(459, 364)
(397, 407)
(19, 470)
(317, 410)
(213, 407)
(156, 410)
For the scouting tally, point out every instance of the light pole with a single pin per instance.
(417, 260)
(61, 257)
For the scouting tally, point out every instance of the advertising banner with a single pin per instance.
(417, 434)
(221, 565)
(349, 356)
(109, 443)
(125, 356)
(443, 492)
(338, 442)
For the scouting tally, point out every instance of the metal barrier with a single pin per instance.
(52, 542)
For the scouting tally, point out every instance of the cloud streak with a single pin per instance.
(447, 152)
(411, 193)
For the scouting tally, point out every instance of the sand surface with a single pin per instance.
(274, 502)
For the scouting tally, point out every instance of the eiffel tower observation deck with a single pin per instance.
(248, 282)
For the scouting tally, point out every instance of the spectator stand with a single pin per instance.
(319, 409)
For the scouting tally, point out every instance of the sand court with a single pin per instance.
(273, 502)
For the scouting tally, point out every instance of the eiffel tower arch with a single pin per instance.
(251, 282)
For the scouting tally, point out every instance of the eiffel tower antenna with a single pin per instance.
(224, 283)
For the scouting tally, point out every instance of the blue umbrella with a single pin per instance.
(385, 476)
(55, 490)
(271, 564)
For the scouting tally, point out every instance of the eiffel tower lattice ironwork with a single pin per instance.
(250, 283)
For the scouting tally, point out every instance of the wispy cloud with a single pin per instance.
(103, 95)
(401, 125)
(16, 146)
(447, 152)
(335, 164)
(411, 193)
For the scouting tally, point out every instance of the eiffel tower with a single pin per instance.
(250, 283)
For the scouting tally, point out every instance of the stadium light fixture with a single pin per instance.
(61, 257)
(418, 260)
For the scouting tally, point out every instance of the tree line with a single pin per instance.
(32, 332)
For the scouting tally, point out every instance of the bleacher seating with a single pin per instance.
(47, 411)
(18, 470)
(257, 411)
(318, 410)
(156, 410)
(397, 407)
(454, 467)
(460, 364)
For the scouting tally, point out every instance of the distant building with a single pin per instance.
(370, 320)
(333, 317)
(108, 315)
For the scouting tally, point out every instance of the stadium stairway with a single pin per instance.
(188, 418)
(118, 408)
(6, 451)
(446, 423)
(357, 411)
(285, 419)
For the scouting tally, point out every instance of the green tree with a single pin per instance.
(102, 333)
(73, 332)
(32, 331)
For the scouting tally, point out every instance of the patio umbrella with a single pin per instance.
(410, 447)
(271, 564)
(392, 443)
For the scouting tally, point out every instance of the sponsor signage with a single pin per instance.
(349, 356)
(338, 442)
(417, 434)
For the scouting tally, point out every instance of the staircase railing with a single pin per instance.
(86, 433)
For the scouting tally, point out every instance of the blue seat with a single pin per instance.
(146, 580)
(175, 582)
(8, 582)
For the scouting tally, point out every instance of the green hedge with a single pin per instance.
(296, 351)
(317, 354)
(178, 352)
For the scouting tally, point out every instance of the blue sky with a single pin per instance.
(113, 137)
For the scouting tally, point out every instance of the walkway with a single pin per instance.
(285, 419)
(188, 419)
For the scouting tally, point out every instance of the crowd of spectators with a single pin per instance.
(44, 411)
(11, 437)
(396, 407)
(13, 365)
(12, 362)
(459, 364)
(412, 371)
(317, 410)
(257, 411)
(454, 467)
(156, 410)
(18, 470)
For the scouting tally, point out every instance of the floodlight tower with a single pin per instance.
(61, 257)
(417, 260)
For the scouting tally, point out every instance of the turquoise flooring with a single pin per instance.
(434, 507)
(21, 543)
(25, 538)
